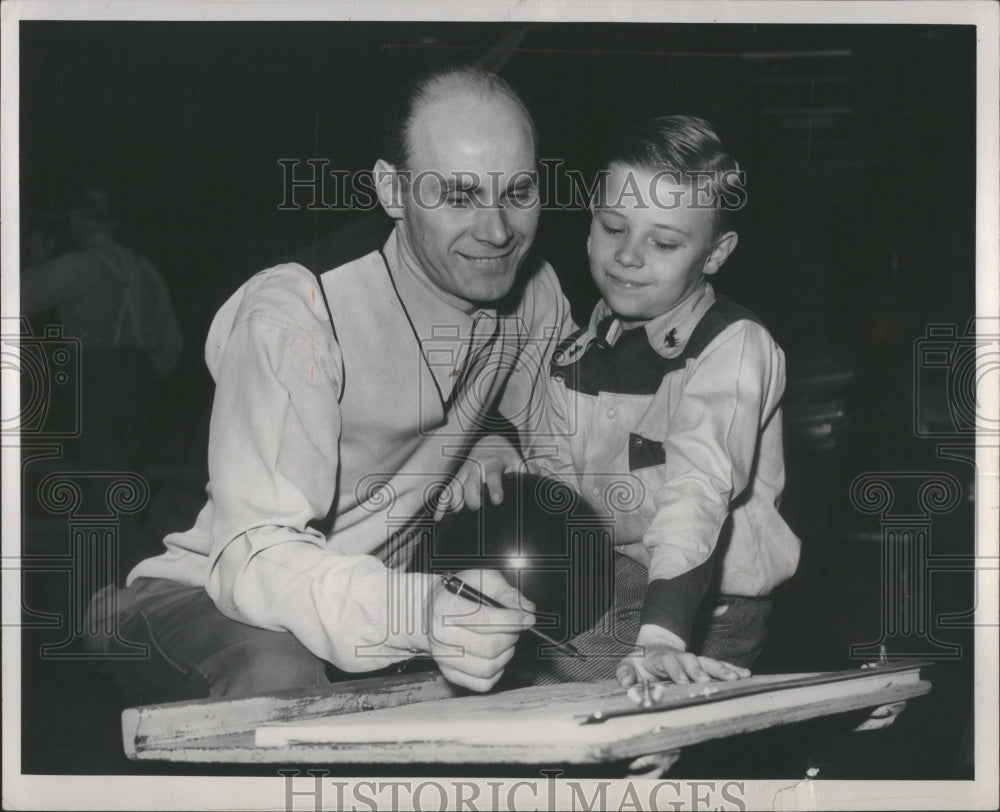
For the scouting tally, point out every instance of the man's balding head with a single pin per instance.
(443, 83)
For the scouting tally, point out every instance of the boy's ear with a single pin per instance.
(724, 246)
(389, 188)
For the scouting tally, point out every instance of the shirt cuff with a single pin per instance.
(653, 636)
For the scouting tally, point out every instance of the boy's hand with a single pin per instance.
(659, 656)
(489, 460)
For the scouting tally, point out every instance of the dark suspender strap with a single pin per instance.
(445, 402)
(326, 303)
(329, 314)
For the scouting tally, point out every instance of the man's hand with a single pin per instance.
(470, 643)
(489, 460)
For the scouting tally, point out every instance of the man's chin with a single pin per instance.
(491, 290)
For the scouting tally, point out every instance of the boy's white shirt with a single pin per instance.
(719, 422)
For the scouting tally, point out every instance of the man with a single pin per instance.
(333, 428)
(117, 304)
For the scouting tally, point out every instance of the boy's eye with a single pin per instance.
(663, 246)
(610, 230)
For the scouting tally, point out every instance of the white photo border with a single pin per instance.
(156, 792)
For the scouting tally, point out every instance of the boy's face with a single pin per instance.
(650, 243)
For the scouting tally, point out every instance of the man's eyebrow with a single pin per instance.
(466, 183)
(461, 184)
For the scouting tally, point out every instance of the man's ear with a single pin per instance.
(723, 247)
(389, 188)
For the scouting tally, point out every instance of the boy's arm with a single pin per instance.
(731, 391)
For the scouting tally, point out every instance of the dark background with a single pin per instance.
(859, 148)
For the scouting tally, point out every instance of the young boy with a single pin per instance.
(673, 391)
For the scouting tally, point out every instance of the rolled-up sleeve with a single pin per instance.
(273, 466)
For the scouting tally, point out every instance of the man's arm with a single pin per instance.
(549, 448)
(525, 399)
(273, 460)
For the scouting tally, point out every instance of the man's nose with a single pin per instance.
(492, 226)
(629, 254)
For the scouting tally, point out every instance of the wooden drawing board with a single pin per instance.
(421, 719)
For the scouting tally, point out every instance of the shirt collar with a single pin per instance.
(668, 333)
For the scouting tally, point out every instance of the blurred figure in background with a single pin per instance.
(117, 304)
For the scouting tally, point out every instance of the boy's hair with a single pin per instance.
(396, 146)
(689, 151)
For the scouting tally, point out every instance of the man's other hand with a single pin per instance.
(489, 460)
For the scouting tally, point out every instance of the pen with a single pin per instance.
(647, 698)
(457, 586)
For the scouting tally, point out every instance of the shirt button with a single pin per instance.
(596, 492)
(638, 442)
(611, 414)
(559, 377)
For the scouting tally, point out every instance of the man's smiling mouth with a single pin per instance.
(492, 259)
